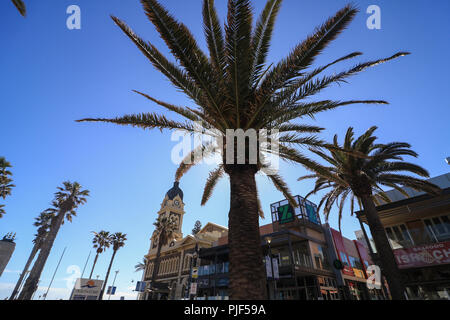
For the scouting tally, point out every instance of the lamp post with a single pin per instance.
(272, 278)
(192, 265)
(112, 287)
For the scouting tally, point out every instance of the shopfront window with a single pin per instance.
(399, 237)
(301, 255)
(439, 228)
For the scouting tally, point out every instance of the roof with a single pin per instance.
(175, 191)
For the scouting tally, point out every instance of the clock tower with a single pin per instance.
(173, 205)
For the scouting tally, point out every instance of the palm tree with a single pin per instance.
(233, 88)
(117, 241)
(43, 222)
(20, 5)
(2, 211)
(360, 177)
(140, 266)
(165, 228)
(101, 241)
(5, 180)
(67, 200)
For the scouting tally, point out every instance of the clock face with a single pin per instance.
(177, 203)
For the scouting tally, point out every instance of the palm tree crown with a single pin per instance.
(140, 266)
(101, 241)
(43, 223)
(165, 230)
(233, 88)
(118, 240)
(365, 170)
(70, 197)
(5, 178)
(20, 5)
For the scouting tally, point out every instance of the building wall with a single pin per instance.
(6, 251)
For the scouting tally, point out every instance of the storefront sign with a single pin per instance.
(193, 288)
(286, 214)
(423, 256)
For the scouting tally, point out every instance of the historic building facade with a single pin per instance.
(418, 229)
(178, 257)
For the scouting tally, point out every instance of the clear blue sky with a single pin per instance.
(51, 76)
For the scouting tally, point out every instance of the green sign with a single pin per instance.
(285, 214)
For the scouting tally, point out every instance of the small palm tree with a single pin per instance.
(67, 199)
(2, 211)
(5, 178)
(20, 5)
(360, 176)
(140, 266)
(42, 222)
(234, 88)
(165, 228)
(117, 241)
(101, 241)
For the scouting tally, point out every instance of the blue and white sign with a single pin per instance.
(111, 290)
(140, 286)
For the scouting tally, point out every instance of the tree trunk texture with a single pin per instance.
(25, 269)
(31, 284)
(95, 262)
(107, 276)
(247, 273)
(385, 254)
(156, 267)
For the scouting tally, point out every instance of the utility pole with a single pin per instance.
(112, 287)
(86, 264)
(54, 274)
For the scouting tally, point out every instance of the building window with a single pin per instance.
(343, 257)
(399, 237)
(439, 228)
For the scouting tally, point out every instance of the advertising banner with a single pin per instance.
(87, 289)
(423, 256)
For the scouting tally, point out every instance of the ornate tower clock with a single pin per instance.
(173, 205)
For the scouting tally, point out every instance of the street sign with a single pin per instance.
(193, 288)
(276, 273)
(140, 286)
(111, 290)
(286, 214)
(194, 273)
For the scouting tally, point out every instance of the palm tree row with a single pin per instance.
(233, 87)
(359, 176)
(67, 200)
(5, 182)
(102, 241)
(43, 223)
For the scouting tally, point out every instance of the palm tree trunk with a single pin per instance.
(156, 266)
(247, 275)
(385, 254)
(95, 262)
(31, 284)
(107, 275)
(25, 269)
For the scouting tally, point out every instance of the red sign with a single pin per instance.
(423, 256)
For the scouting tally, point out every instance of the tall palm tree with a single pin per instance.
(2, 211)
(42, 222)
(101, 241)
(5, 178)
(233, 88)
(117, 241)
(69, 197)
(360, 177)
(165, 228)
(20, 5)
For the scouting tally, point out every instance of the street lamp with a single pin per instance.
(272, 279)
(193, 263)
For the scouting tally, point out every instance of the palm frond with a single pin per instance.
(213, 179)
